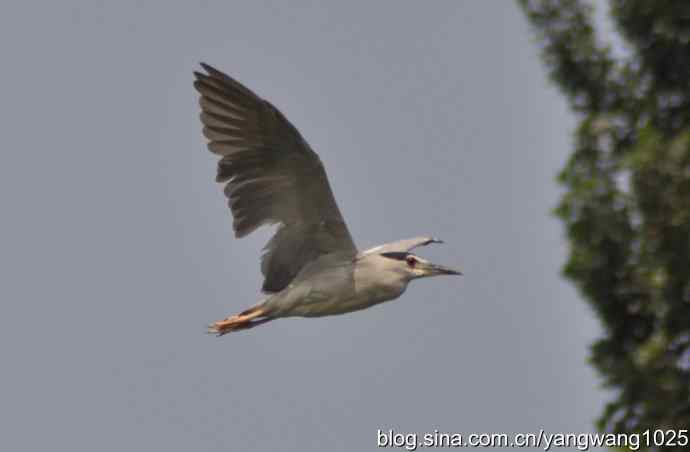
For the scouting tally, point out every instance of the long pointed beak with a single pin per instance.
(442, 270)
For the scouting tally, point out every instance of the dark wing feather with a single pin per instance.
(272, 176)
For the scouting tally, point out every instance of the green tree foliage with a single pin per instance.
(627, 201)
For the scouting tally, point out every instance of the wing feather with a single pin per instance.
(272, 176)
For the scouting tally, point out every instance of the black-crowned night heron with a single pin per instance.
(311, 265)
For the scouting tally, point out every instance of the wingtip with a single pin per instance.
(213, 72)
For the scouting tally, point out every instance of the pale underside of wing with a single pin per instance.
(272, 176)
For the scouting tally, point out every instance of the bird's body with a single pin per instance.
(311, 265)
(334, 285)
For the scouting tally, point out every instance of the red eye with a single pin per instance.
(411, 261)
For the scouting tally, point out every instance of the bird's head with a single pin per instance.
(413, 266)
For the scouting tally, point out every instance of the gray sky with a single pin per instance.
(431, 118)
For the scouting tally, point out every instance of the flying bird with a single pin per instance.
(311, 265)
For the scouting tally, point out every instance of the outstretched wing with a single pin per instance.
(272, 176)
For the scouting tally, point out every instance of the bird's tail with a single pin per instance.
(249, 318)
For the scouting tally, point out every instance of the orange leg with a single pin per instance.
(244, 320)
